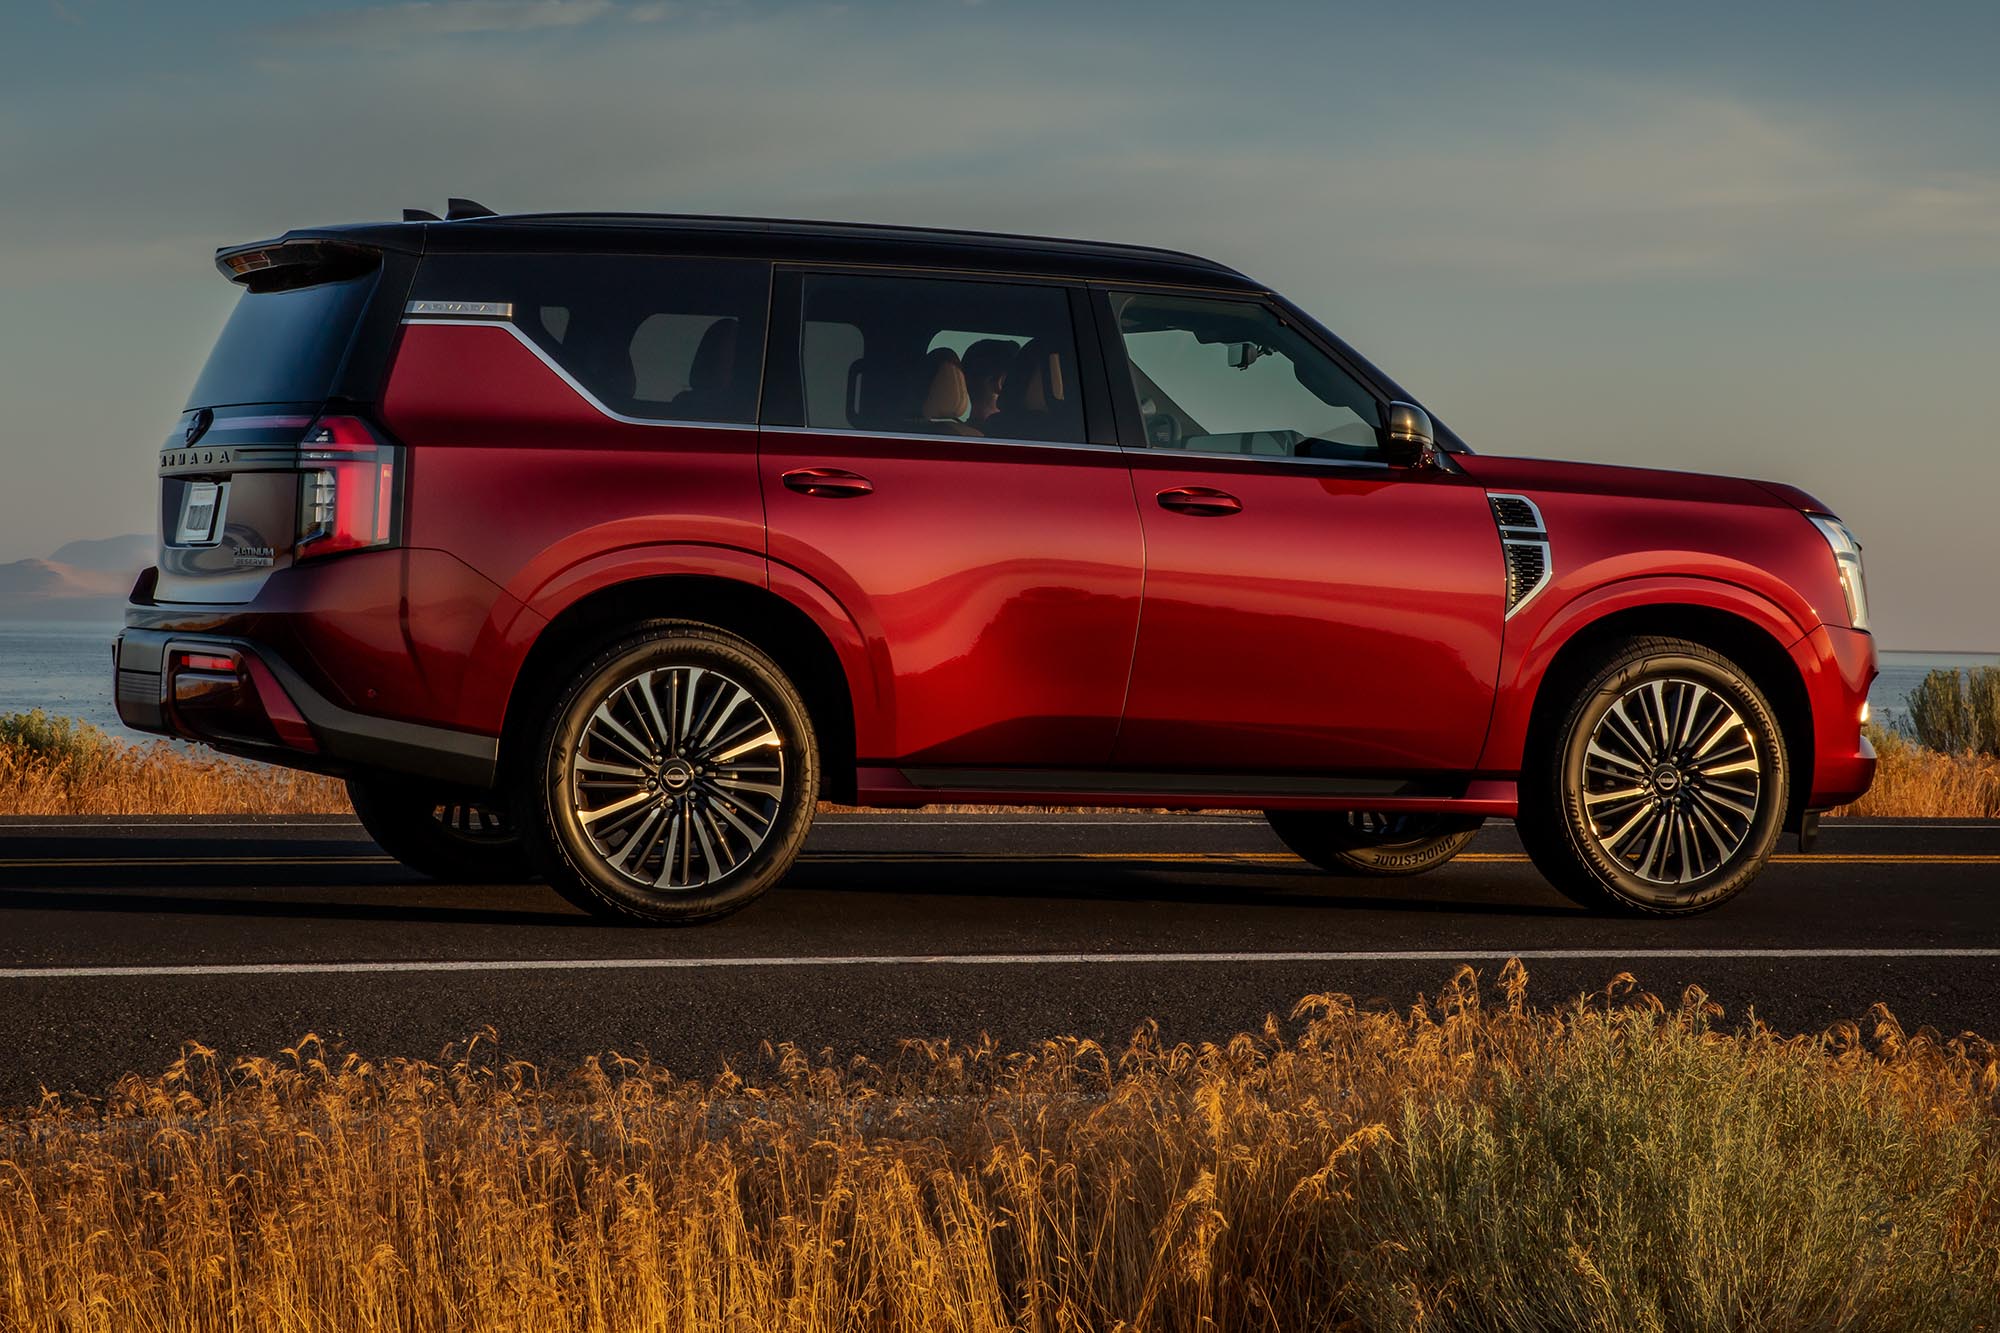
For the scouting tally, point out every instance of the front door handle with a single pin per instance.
(1202, 500)
(829, 483)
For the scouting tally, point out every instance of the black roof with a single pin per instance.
(787, 239)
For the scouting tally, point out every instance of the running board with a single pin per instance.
(904, 786)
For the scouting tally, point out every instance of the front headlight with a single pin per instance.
(1847, 560)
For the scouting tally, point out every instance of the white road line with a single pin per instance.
(197, 970)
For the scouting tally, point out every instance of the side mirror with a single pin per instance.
(1407, 438)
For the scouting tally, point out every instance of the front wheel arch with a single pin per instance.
(1745, 643)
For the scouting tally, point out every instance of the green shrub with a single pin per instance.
(1982, 692)
(53, 738)
(1941, 713)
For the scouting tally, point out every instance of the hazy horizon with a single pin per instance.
(1759, 243)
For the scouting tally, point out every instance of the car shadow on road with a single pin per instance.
(1461, 891)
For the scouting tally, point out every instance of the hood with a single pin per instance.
(1546, 474)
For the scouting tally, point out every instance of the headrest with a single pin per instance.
(714, 363)
(1036, 382)
(946, 399)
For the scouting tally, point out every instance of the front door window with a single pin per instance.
(1231, 377)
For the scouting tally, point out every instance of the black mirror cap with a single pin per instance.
(1407, 437)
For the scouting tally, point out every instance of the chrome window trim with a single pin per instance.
(851, 433)
(1154, 451)
(571, 380)
(1512, 534)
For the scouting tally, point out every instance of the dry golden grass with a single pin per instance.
(156, 779)
(51, 766)
(1912, 782)
(1612, 1164)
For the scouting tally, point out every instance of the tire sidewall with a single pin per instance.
(561, 839)
(1620, 884)
(1327, 840)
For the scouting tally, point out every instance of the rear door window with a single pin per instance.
(940, 356)
(659, 339)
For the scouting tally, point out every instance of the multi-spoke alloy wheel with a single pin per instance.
(1671, 777)
(676, 777)
(1665, 785)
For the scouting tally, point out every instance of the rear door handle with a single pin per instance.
(1202, 500)
(829, 483)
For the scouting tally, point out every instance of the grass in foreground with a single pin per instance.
(58, 766)
(1614, 1164)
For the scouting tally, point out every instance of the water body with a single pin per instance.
(65, 668)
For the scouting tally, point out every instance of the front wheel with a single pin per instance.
(1662, 788)
(675, 778)
(1371, 843)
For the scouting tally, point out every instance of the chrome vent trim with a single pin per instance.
(1524, 542)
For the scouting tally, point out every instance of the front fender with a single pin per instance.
(1530, 649)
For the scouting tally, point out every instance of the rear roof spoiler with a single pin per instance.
(296, 261)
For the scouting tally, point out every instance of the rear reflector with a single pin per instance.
(207, 662)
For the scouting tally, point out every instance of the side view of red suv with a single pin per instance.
(602, 547)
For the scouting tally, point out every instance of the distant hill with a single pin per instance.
(83, 580)
(108, 555)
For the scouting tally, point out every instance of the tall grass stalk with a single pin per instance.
(1473, 1163)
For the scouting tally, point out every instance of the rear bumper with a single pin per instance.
(242, 698)
(1838, 666)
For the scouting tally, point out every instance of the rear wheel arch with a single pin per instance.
(774, 625)
(1743, 641)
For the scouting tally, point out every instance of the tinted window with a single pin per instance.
(937, 356)
(662, 339)
(1231, 377)
(284, 346)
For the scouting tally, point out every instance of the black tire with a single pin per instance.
(461, 837)
(1375, 845)
(1680, 803)
(670, 836)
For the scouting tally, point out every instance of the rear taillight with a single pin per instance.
(347, 490)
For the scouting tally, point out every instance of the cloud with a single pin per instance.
(441, 18)
(936, 123)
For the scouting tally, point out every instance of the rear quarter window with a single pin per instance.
(660, 339)
(283, 346)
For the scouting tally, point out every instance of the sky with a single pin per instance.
(1761, 240)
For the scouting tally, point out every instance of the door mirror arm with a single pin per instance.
(1408, 440)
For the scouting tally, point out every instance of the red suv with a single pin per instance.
(604, 546)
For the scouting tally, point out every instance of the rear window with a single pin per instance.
(654, 338)
(283, 346)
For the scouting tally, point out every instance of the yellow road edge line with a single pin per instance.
(1190, 858)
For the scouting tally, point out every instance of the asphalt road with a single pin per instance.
(120, 939)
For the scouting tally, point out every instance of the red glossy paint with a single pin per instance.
(997, 606)
(1284, 636)
(996, 588)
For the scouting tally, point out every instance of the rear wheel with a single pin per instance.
(460, 836)
(675, 778)
(1662, 788)
(1371, 842)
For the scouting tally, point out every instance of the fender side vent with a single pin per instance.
(1524, 541)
